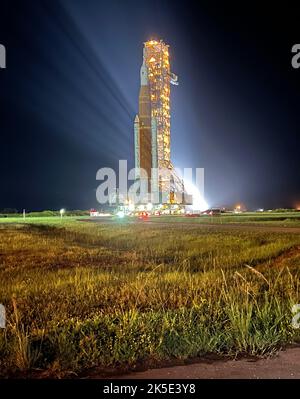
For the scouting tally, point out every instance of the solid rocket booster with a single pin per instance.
(137, 146)
(143, 129)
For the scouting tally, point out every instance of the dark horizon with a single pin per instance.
(69, 96)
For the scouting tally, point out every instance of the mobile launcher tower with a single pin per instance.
(152, 130)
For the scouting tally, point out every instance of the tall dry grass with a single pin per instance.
(79, 295)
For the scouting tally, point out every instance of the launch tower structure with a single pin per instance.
(152, 125)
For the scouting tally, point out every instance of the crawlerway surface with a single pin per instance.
(285, 364)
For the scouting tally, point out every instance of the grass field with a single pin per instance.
(116, 295)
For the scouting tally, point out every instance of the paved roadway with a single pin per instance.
(286, 364)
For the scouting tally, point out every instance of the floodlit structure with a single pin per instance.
(152, 125)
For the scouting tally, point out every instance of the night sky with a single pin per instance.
(70, 93)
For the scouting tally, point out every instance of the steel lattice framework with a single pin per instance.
(156, 56)
(152, 125)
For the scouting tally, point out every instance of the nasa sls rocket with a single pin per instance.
(152, 124)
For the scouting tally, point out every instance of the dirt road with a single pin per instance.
(195, 225)
(230, 226)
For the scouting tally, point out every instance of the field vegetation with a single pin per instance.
(119, 295)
